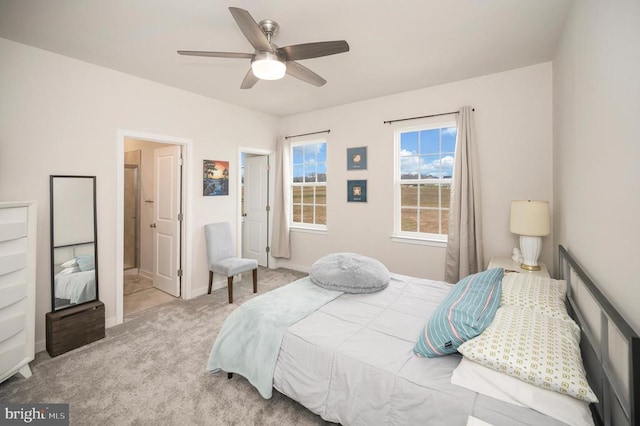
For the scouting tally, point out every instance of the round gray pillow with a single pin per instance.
(349, 273)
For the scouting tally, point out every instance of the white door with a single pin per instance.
(166, 226)
(256, 216)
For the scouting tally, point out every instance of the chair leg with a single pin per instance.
(210, 281)
(255, 280)
(230, 288)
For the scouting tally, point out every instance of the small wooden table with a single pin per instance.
(510, 266)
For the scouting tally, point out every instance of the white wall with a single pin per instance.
(596, 87)
(61, 116)
(514, 132)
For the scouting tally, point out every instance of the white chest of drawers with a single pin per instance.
(17, 287)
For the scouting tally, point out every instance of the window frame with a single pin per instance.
(312, 227)
(423, 238)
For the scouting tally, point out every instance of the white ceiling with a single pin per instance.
(395, 45)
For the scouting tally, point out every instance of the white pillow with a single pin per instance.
(69, 263)
(535, 348)
(71, 270)
(475, 377)
(541, 294)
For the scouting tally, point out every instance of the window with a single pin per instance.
(424, 167)
(309, 185)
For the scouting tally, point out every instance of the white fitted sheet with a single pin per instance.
(352, 362)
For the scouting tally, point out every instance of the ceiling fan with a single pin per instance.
(270, 62)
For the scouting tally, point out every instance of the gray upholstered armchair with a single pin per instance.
(220, 254)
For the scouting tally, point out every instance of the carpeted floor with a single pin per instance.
(151, 370)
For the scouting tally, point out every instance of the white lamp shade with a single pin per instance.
(529, 217)
(266, 66)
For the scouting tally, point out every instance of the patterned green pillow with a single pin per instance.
(544, 295)
(535, 348)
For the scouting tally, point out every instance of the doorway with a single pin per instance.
(156, 228)
(255, 204)
(163, 202)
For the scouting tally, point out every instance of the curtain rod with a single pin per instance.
(307, 134)
(422, 116)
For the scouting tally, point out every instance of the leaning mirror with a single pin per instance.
(74, 246)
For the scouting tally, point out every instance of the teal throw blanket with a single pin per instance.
(250, 338)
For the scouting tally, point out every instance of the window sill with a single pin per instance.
(309, 230)
(419, 241)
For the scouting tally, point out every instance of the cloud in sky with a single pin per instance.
(439, 167)
(313, 157)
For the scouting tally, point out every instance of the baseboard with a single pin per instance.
(132, 271)
(218, 284)
(145, 273)
(110, 322)
(288, 265)
(195, 292)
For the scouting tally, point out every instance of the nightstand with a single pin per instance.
(510, 266)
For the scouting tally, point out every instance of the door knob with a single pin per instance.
(153, 225)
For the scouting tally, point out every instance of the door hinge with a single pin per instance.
(180, 217)
(179, 272)
(268, 208)
(268, 168)
(180, 161)
(268, 249)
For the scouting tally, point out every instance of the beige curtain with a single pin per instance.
(280, 244)
(464, 247)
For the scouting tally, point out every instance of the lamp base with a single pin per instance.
(530, 267)
(530, 248)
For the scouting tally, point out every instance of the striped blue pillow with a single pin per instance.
(467, 310)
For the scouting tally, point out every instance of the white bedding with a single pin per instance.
(486, 381)
(351, 362)
(78, 287)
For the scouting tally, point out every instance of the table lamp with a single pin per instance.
(530, 219)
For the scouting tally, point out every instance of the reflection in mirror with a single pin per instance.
(74, 268)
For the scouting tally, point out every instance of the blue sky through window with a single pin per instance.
(427, 153)
(430, 141)
(309, 162)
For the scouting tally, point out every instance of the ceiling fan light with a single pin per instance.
(266, 66)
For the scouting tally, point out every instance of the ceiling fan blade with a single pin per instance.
(303, 73)
(250, 29)
(313, 50)
(216, 54)
(249, 81)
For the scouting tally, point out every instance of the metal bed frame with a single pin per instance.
(610, 347)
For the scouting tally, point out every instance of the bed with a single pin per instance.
(74, 274)
(350, 358)
(76, 287)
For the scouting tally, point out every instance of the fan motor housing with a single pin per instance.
(269, 27)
